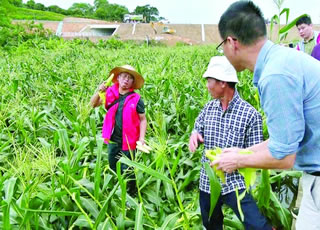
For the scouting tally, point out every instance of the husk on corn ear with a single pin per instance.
(249, 174)
(108, 83)
(143, 147)
(212, 155)
(109, 80)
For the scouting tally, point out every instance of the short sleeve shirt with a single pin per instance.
(238, 126)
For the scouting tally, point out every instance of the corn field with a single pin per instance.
(54, 171)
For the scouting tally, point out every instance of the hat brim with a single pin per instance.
(138, 79)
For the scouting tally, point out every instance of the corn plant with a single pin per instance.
(54, 171)
(284, 30)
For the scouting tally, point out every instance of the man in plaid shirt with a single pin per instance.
(226, 121)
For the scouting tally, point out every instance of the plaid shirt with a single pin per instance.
(240, 125)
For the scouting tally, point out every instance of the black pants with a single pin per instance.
(253, 219)
(114, 154)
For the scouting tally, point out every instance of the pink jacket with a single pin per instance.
(130, 119)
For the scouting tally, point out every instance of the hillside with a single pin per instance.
(29, 14)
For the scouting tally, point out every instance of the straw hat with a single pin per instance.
(138, 79)
(220, 68)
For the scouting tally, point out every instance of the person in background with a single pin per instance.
(226, 121)
(125, 122)
(310, 38)
(316, 52)
(288, 83)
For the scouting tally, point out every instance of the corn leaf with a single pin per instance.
(139, 218)
(215, 187)
(286, 11)
(176, 161)
(6, 216)
(263, 190)
(53, 212)
(90, 205)
(103, 212)
(145, 169)
(239, 198)
(233, 223)
(279, 176)
(65, 142)
(169, 222)
(283, 213)
(9, 185)
(120, 221)
(123, 186)
(97, 169)
(169, 191)
(191, 175)
(82, 222)
(291, 24)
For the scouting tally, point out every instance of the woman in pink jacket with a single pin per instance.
(125, 122)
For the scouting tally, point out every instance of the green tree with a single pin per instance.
(100, 3)
(40, 6)
(4, 19)
(111, 12)
(81, 9)
(31, 4)
(56, 9)
(149, 12)
(17, 3)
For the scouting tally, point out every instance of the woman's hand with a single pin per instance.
(102, 87)
(142, 141)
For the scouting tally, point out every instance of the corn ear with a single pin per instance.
(108, 83)
(102, 96)
(212, 155)
(249, 174)
(109, 80)
(143, 147)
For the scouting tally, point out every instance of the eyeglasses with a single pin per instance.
(126, 76)
(220, 48)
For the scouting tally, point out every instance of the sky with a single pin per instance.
(205, 11)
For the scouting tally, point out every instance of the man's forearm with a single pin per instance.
(262, 158)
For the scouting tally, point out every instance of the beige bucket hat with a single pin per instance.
(221, 69)
(138, 79)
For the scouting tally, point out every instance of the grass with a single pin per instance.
(30, 14)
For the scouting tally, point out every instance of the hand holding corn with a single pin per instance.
(229, 163)
(143, 147)
(102, 88)
(212, 155)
